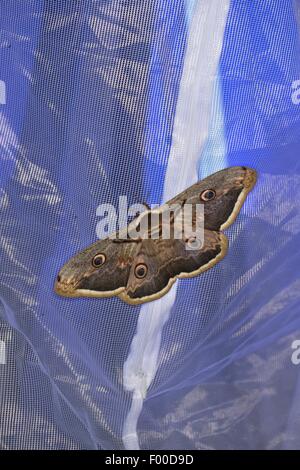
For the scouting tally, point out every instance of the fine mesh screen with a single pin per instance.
(88, 107)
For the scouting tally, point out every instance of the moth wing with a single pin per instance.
(167, 260)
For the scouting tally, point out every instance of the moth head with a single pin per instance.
(98, 271)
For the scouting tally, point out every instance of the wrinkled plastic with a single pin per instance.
(91, 95)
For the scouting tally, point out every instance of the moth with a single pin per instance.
(141, 269)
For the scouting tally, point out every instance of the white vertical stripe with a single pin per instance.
(190, 132)
(297, 12)
(214, 154)
(2, 92)
(2, 352)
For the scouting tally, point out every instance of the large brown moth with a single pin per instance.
(142, 269)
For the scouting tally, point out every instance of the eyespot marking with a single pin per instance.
(99, 260)
(208, 195)
(140, 270)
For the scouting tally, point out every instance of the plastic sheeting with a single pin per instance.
(89, 96)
